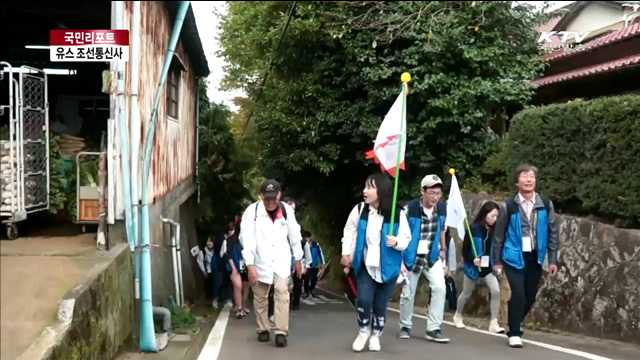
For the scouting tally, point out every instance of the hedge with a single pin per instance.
(587, 154)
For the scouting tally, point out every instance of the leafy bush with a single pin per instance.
(494, 172)
(57, 179)
(586, 153)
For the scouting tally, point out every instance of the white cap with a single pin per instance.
(430, 180)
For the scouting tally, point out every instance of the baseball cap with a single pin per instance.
(430, 180)
(270, 189)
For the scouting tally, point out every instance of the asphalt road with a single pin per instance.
(326, 329)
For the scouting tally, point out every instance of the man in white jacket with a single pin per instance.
(270, 235)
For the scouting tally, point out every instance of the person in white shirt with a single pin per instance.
(374, 256)
(270, 235)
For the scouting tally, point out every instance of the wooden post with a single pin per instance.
(102, 209)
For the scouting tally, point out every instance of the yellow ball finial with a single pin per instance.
(406, 77)
(452, 171)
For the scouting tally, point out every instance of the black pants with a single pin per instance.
(209, 285)
(310, 280)
(271, 303)
(524, 287)
(297, 290)
(452, 294)
(222, 286)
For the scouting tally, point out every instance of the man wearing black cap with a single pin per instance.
(270, 236)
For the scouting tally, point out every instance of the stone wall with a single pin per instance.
(597, 291)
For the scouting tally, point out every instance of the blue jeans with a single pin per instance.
(374, 296)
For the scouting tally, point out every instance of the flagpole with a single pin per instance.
(466, 222)
(406, 77)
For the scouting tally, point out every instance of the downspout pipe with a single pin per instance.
(147, 333)
(174, 257)
(135, 140)
(122, 124)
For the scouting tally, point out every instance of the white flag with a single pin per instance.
(456, 213)
(385, 149)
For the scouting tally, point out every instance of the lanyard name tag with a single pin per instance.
(373, 257)
(423, 247)
(484, 261)
(526, 244)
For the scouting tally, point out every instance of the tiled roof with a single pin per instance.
(619, 35)
(629, 61)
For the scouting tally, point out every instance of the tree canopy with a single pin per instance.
(338, 71)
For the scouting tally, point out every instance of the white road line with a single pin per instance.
(536, 343)
(211, 348)
(308, 302)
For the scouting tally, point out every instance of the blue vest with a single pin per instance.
(315, 254)
(236, 256)
(214, 261)
(390, 258)
(415, 223)
(512, 251)
(478, 234)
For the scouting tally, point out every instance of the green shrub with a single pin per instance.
(587, 155)
(494, 171)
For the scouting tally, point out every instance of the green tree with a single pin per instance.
(223, 165)
(337, 73)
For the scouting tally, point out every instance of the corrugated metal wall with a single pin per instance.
(174, 150)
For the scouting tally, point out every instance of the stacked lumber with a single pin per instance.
(71, 145)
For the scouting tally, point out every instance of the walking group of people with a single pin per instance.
(515, 238)
(271, 254)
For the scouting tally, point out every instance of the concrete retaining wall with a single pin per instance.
(179, 205)
(95, 318)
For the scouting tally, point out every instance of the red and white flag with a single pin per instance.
(392, 133)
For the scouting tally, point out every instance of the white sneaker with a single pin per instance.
(214, 303)
(374, 342)
(361, 341)
(229, 303)
(515, 342)
(272, 321)
(494, 327)
(457, 321)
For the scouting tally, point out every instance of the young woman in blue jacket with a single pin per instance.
(478, 266)
(374, 256)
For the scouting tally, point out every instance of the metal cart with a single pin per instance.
(25, 156)
(88, 197)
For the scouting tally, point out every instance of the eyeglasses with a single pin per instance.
(433, 193)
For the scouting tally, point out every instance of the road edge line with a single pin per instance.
(212, 346)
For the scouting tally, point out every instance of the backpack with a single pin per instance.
(284, 211)
(284, 214)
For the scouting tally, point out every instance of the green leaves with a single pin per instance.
(338, 73)
(586, 163)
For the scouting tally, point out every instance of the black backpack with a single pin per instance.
(284, 211)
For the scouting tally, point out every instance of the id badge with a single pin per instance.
(526, 244)
(484, 261)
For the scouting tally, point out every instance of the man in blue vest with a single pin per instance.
(314, 259)
(425, 256)
(525, 233)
